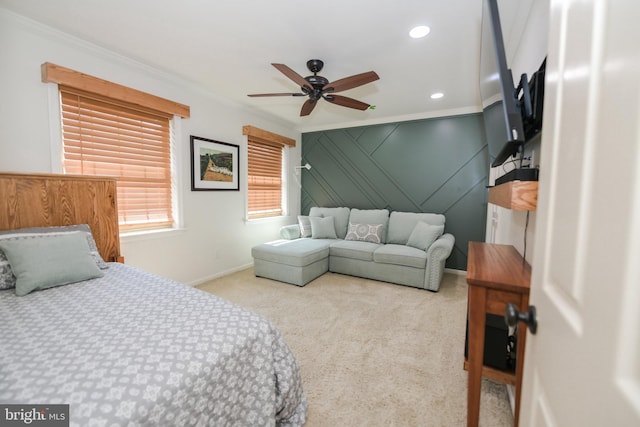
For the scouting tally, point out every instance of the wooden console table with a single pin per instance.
(497, 275)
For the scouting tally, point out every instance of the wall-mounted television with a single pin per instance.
(501, 112)
(531, 102)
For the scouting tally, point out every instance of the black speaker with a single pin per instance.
(499, 347)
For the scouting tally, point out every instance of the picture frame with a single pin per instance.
(215, 165)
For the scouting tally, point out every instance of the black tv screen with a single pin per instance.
(532, 119)
(503, 120)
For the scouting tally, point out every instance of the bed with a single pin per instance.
(124, 346)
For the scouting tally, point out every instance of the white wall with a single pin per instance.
(215, 239)
(526, 40)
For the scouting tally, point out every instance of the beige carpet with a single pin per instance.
(373, 353)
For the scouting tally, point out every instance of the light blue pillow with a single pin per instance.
(423, 235)
(58, 230)
(48, 260)
(340, 218)
(323, 228)
(305, 226)
(7, 278)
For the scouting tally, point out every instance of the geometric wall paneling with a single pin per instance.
(436, 165)
(466, 219)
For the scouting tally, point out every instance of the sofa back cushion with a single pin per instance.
(401, 225)
(371, 217)
(340, 218)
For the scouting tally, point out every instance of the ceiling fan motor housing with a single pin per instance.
(317, 82)
(315, 65)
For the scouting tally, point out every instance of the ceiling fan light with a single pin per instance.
(419, 31)
(437, 95)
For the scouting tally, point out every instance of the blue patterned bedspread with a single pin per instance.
(136, 349)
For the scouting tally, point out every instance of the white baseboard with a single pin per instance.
(205, 279)
(454, 271)
(511, 392)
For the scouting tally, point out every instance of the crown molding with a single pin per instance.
(394, 119)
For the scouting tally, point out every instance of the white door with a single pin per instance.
(583, 366)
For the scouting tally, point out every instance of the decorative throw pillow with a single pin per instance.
(365, 232)
(7, 279)
(305, 226)
(423, 235)
(322, 228)
(48, 260)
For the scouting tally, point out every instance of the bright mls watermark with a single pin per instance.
(34, 415)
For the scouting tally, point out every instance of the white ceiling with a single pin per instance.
(227, 48)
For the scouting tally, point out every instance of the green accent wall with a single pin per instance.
(438, 165)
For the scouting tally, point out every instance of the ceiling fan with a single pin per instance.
(316, 87)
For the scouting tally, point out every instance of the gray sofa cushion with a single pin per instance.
(353, 249)
(371, 216)
(298, 252)
(400, 255)
(340, 217)
(401, 225)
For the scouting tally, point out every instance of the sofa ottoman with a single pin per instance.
(292, 261)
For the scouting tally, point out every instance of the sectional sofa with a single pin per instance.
(405, 248)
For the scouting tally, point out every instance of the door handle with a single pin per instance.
(512, 316)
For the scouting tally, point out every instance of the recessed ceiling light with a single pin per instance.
(419, 31)
(437, 95)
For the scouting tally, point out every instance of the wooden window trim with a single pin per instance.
(267, 137)
(52, 73)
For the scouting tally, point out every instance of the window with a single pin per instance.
(265, 179)
(265, 172)
(105, 135)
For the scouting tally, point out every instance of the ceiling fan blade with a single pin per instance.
(277, 94)
(293, 75)
(347, 102)
(351, 82)
(308, 107)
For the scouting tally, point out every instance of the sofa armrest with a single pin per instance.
(437, 254)
(442, 247)
(290, 232)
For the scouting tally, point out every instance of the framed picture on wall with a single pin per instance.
(214, 165)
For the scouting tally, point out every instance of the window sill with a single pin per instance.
(281, 218)
(136, 236)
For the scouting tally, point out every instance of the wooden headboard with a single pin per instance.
(42, 200)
